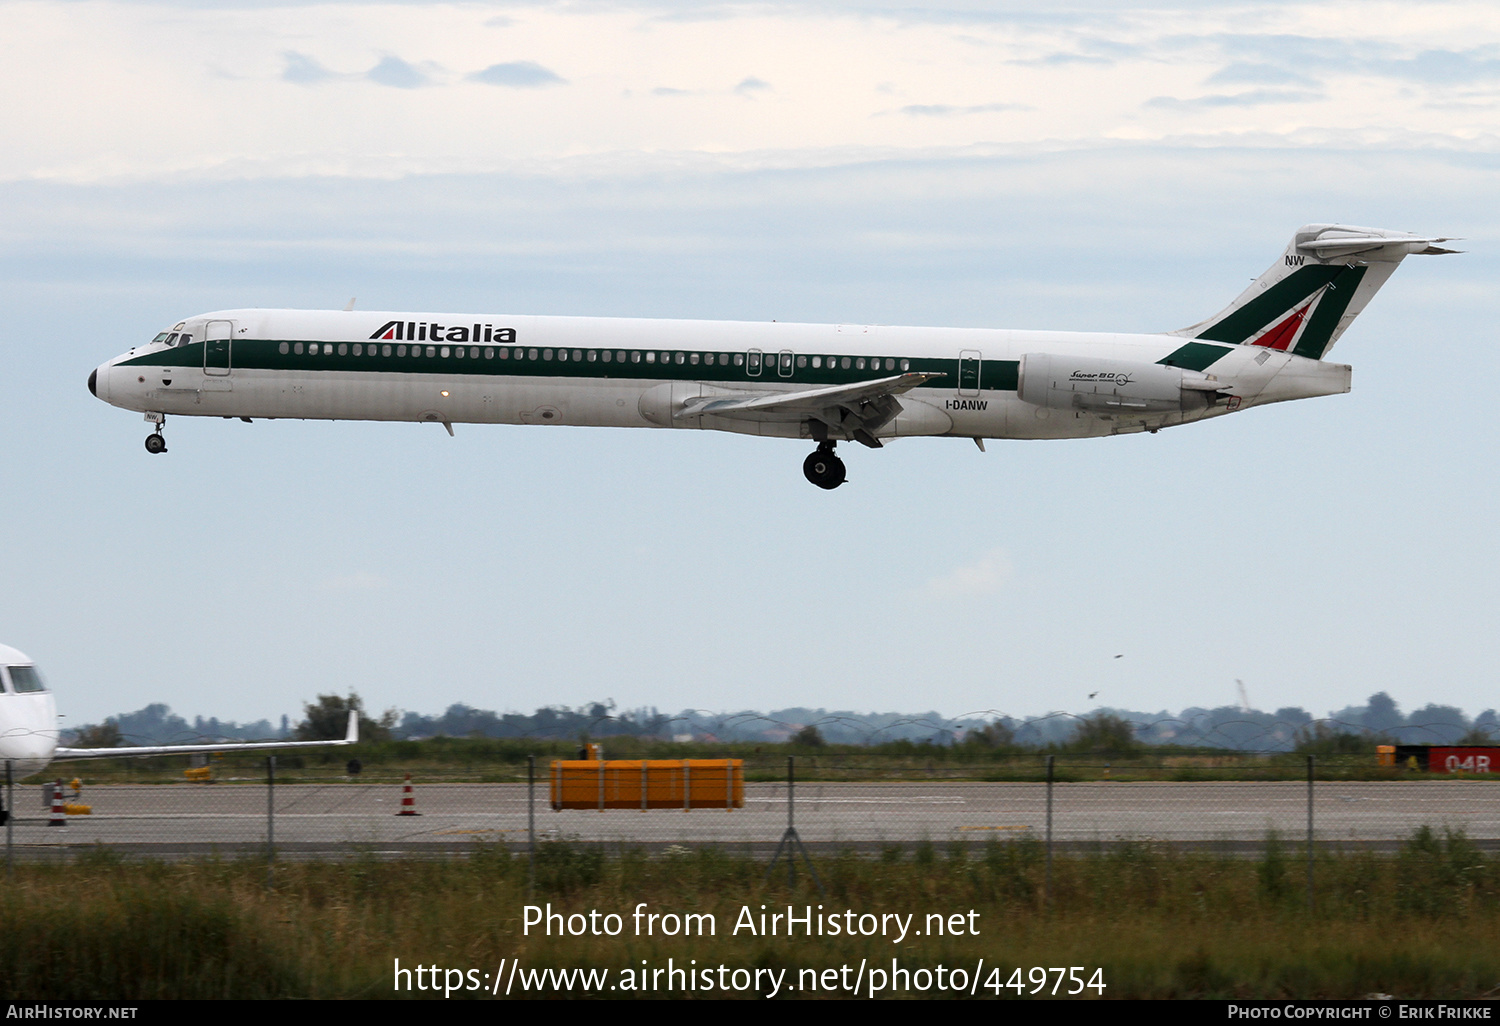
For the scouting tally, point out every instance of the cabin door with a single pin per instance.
(968, 372)
(218, 336)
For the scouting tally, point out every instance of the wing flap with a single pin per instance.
(811, 402)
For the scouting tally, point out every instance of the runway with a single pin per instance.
(330, 818)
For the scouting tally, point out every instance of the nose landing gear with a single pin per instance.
(156, 442)
(823, 468)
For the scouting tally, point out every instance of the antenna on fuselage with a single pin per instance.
(350, 305)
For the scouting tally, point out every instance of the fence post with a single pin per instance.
(531, 823)
(1310, 833)
(270, 818)
(791, 788)
(1047, 883)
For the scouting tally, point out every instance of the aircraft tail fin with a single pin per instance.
(1303, 303)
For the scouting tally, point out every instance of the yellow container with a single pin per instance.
(642, 784)
(1385, 755)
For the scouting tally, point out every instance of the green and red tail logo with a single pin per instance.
(1299, 313)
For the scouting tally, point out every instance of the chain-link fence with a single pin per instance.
(818, 805)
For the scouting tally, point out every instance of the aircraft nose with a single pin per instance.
(94, 382)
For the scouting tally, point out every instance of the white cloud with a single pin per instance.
(984, 576)
(103, 89)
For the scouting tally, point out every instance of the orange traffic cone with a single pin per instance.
(59, 817)
(408, 800)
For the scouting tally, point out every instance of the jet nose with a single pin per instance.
(94, 382)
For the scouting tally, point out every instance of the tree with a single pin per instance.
(1105, 734)
(1321, 739)
(992, 735)
(98, 735)
(328, 719)
(808, 737)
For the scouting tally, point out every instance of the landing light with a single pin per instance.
(445, 395)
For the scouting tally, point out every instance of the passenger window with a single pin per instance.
(400, 350)
(859, 364)
(298, 348)
(489, 353)
(343, 349)
(620, 356)
(650, 357)
(385, 350)
(906, 365)
(578, 354)
(801, 361)
(890, 364)
(682, 358)
(635, 357)
(817, 362)
(844, 363)
(594, 355)
(442, 352)
(284, 348)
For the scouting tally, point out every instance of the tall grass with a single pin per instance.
(1159, 921)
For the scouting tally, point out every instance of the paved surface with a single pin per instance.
(312, 818)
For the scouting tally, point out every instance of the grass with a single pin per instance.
(1159, 922)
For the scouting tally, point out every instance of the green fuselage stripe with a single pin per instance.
(265, 354)
(1194, 356)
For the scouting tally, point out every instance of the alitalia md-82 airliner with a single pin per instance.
(824, 382)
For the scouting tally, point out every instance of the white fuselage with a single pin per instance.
(28, 716)
(463, 368)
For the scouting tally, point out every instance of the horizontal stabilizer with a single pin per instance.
(1322, 281)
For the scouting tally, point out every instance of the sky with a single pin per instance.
(1078, 166)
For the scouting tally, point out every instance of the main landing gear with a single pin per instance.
(156, 442)
(823, 468)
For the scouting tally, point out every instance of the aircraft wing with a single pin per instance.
(812, 402)
(350, 738)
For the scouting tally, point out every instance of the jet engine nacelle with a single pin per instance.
(1113, 386)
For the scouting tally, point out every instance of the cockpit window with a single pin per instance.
(25, 679)
(160, 338)
(172, 339)
(184, 339)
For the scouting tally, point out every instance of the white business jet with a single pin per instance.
(28, 726)
(824, 382)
